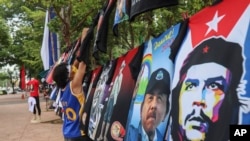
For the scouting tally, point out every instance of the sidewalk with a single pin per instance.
(15, 121)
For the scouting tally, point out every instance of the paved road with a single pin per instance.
(15, 121)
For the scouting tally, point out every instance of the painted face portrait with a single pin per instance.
(153, 111)
(205, 99)
(201, 96)
(155, 104)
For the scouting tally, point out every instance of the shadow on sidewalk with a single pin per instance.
(54, 121)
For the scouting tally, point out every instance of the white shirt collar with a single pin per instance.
(145, 136)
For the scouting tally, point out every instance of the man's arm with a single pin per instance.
(76, 84)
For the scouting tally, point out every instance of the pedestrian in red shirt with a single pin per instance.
(33, 88)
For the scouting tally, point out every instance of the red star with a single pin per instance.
(205, 49)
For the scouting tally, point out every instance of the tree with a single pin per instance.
(3, 77)
(26, 28)
(4, 42)
(13, 78)
(71, 17)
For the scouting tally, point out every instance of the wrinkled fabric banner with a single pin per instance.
(140, 6)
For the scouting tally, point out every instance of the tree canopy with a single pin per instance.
(22, 26)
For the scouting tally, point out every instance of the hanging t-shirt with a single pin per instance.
(86, 82)
(32, 103)
(121, 14)
(87, 106)
(102, 27)
(97, 105)
(53, 94)
(210, 90)
(140, 6)
(107, 94)
(121, 93)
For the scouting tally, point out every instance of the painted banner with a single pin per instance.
(97, 105)
(210, 85)
(149, 111)
(100, 127)
(129, 71)
(87, 107)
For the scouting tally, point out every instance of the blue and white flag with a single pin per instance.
(50, 45)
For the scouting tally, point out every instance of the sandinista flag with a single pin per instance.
(140, 6)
